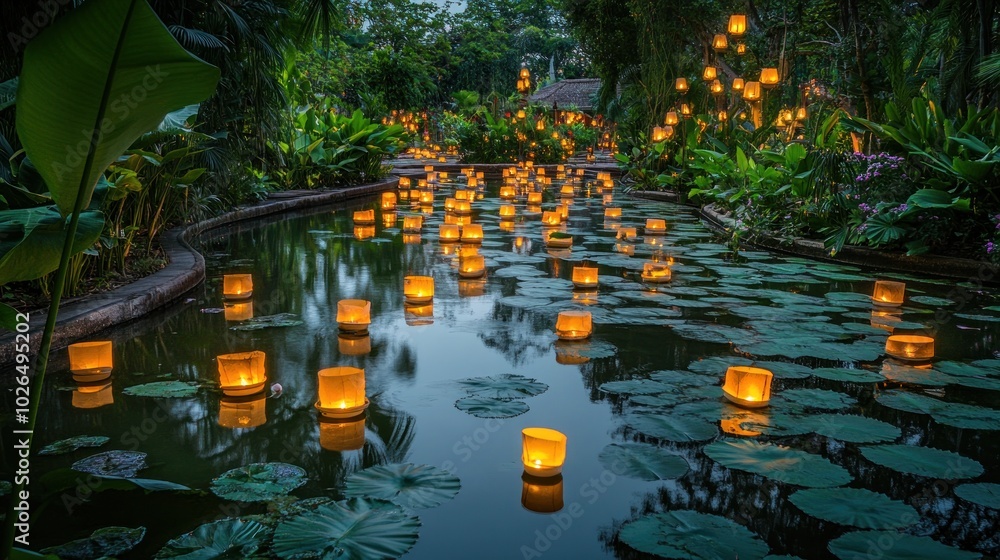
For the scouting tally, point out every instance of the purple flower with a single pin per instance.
(989, 247)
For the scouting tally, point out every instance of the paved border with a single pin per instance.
(90, 314)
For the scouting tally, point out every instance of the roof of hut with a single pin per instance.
(568, 93)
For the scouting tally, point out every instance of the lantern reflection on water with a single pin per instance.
(886, 320)
(243, 412)
(471, 287)
(346, 434)
(354, 315)
(341, 392)
(364, 217)
(911, 348)
(413, 224)
(417, 315)
(542, 494)
(570, 353)
(389, 219)
(747, 386)
(626, 233)
(364, 232)
(242, 373)
(92, 394)
(543, 451)
(238, 311)
(612, 213)
(354, 345)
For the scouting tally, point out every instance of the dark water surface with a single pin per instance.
(304, 263)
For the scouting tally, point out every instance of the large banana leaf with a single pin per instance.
(95, 81)
(31, 240)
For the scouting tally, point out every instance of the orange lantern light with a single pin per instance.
(681, 85)
(911, 348)
(543, 451)
(471, 266)
(413, 224)
(416, 315)
(716, 87)
(388, 201)
(551, 219)
(364, 232)
(245, 412)
(364, 217)
(737, 84)
(741, 49)
(534, 198)
(886, 319)
(354, 315)
(671, 118)
(242, 373)
(612, 213)
(426, 197)
(411, 239)
(655, 226)
(462, 207)
(540, 495)
(737, 25)
(751, 91)
(709, 73)
(354, 345)
(449, 233)
(508, 211)
(418, 289)
(346, 434)
(888, 293)
(341, 392)
(237, 286)
(584, 277)
(91, 361)
(769, 77)
(472, 233)
(449, 204)
(746, 386)
(574, 325)
(389, 219)
(626, 233)
(238, 311)
(404, 182)
(719, 42)
(659, 134)
(507, 193)
(92, 394)
(655, 272)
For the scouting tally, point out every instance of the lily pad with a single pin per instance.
(957, 415)
(125, 464)
(891, 545)
(855, 429)
(981, 493)
(69, 445)
(671, 427)
(819, 398)
(923, 461)
(258, 482)
(635, 387)
(642, 461)
(503, 386)
(777, 462)
(856, 507)
(409, 485)
(227, 538)
(687, 534)
(163, 390)
(488, 407)
(355, 529)
(109, 541)
(932, 301)
(268, 322)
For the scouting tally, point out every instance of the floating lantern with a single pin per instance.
(354, 315)
(888, 293)
(584, 277)
(471, 266)
(449, 233)
(507, 212)
(354, 345)
(542, 495)
(416, 315)
(242, 373)
(559, 240)
(364, 232)
(404, 195)
(413, 224)
(748, 387)
(389, 219)
(426, 197)
(612, 213)
(608, 199)
(238, 311)
(507, 193)
(737, 25)
(534, 198)
(574, 325)
(625, 248)
(911, 348)
(364, 217)
(472, 233)
(243, 412)
(769, 77)
(563, 210)
(342, 435)
(737, 84)
(449, 204)
(237, 286)
(418, 289)
(404, 182)
(709, 73)
(92, 394)
(411, 239)
(388, 201)
(341, 392)
(462, 207)
(432, 177)
(655, 226)
(655, 272)
(91, 361)
(472, 182)
(567, 190)
(428, 168)
(443, 175)
(543, 451)
(415, 196)
(551, 219)
(626, 233)
(719, 42)
(751, 91)
(462, 194)
(681, 85)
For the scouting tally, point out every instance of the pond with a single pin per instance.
(640, 401)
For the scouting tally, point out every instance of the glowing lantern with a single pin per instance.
(769, 77)
(426, 197)
(242, 373)
(238, 311)
(559, 240)
(574, 325)
(507, 193)
(413, 224)
(418, 289)
(471, 266)
(341, 392)
(345, 435)
(540, 124)
(472, 233)
(747, 386)
(671, 118)
(584, 277)
(525, 73)
(364, 232)
(655, 272)
(404, 195)
(567, 190)
(449, 233)
(685, 110)
(521, 114)
(801, 114)
(625, 248)
(542, 495)
(709, 73)
(428, 168)
(719, 42)
(463, 194)
(443, 175)
(626, 233)
(354, 315)
(243, 412)
(655, 226)
(389, 219)
(607, 199)
(551, 219)
(613, 213)
(751, 91)
(741, 49)
(93, 394)
(715, 87)
(681, 85)
(462, 207)
(411, 239)
(432, 177)
(416, 315)
(388, 200)
(737, 25)
(237, 286)
(472, 182)
(888, 293)
(449, 204)
(543, 451)
(723, 115)
(737, 84)
(912, 348)
(364, 217)
(354, 345)
(90, 361)
(508, 211)
(404, 182)
(534, 198)
(659, 134)
(415, 196)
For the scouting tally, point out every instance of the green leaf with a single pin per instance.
(923, 461)
(353, 529)
(126, 72)
(687, 534)
(163, 390)
(488, 407)
(855, 429)
(109, 541)
(891, 545)
(8, 317)
(779, 463)
(72, 444)
(409, 485)
(981, 493)
(671, 427)
(934, 198)
(117, 463)
(227, 538)
(258, 482)
(503, 386)
(819, 398)
(856, 507)
(31, 240)
(642, 461)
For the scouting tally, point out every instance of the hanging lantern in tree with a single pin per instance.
(769, 77)
(719, 42)
(709, 73)
(716, 87)
(659, 134)
(737, 25)
(751, 91)
(681, 85)
(737, 84)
